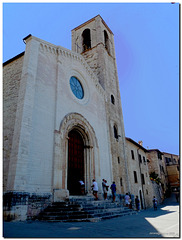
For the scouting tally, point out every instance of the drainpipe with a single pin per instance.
(141, 178)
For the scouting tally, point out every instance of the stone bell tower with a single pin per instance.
(95, 42)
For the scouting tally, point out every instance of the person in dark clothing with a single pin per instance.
(177, 196)
(113, 189)
(155, 203)
(137, 203)
(104, 187)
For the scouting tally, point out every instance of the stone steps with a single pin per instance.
(88, 218)
(83, 209)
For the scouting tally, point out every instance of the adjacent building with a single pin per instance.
(157, 169)
(139, 168)
(172, 163)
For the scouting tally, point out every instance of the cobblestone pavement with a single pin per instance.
(148, 223)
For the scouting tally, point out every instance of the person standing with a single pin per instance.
(127, 198)
(130, 205)
(155, 203)
(106, 185)
(113, 189)
(177, 196)
(104, 188)
(137, 203)
(95, 189)
(82, 187)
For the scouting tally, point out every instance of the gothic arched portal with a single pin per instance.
(76, 154)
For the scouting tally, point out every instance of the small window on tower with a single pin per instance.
(115, 132)
(112, 99)
(106, 38)
(86, 39)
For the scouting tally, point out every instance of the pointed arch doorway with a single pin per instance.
(75, 162)
(64, 157)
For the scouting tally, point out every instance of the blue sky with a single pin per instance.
(147, 53)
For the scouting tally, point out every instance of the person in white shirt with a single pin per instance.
(82, 187)
(95, 189)
(127, 198)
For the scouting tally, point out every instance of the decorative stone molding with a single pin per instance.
(46, 47)
(76, 120)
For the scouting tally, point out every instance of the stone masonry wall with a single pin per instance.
(23, 205)
(153, 164)
(142, 168)
(11, 83)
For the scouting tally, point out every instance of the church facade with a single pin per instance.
(63, 119)
(63, 122)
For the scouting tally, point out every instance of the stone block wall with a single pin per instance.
(11, 82)
(153, 162)
(142, 168)
(24, 206)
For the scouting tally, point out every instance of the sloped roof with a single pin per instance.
(138, 145)
(92, 19)
(14, 58)
(155, 150)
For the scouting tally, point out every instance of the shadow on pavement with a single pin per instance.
(135, 226)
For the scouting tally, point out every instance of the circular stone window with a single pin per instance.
(76, 87)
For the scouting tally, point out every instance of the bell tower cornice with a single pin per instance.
(91, 20)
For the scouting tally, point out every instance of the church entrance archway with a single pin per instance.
(76, 155)
(75, 162)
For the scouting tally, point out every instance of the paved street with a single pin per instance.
(148, 223)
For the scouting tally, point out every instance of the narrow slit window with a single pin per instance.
(115, 132)
(112, 99)
(135, 177)
(106, 38)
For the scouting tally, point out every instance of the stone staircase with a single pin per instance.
(79, 209)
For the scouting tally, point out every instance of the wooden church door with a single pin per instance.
(75, 162)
